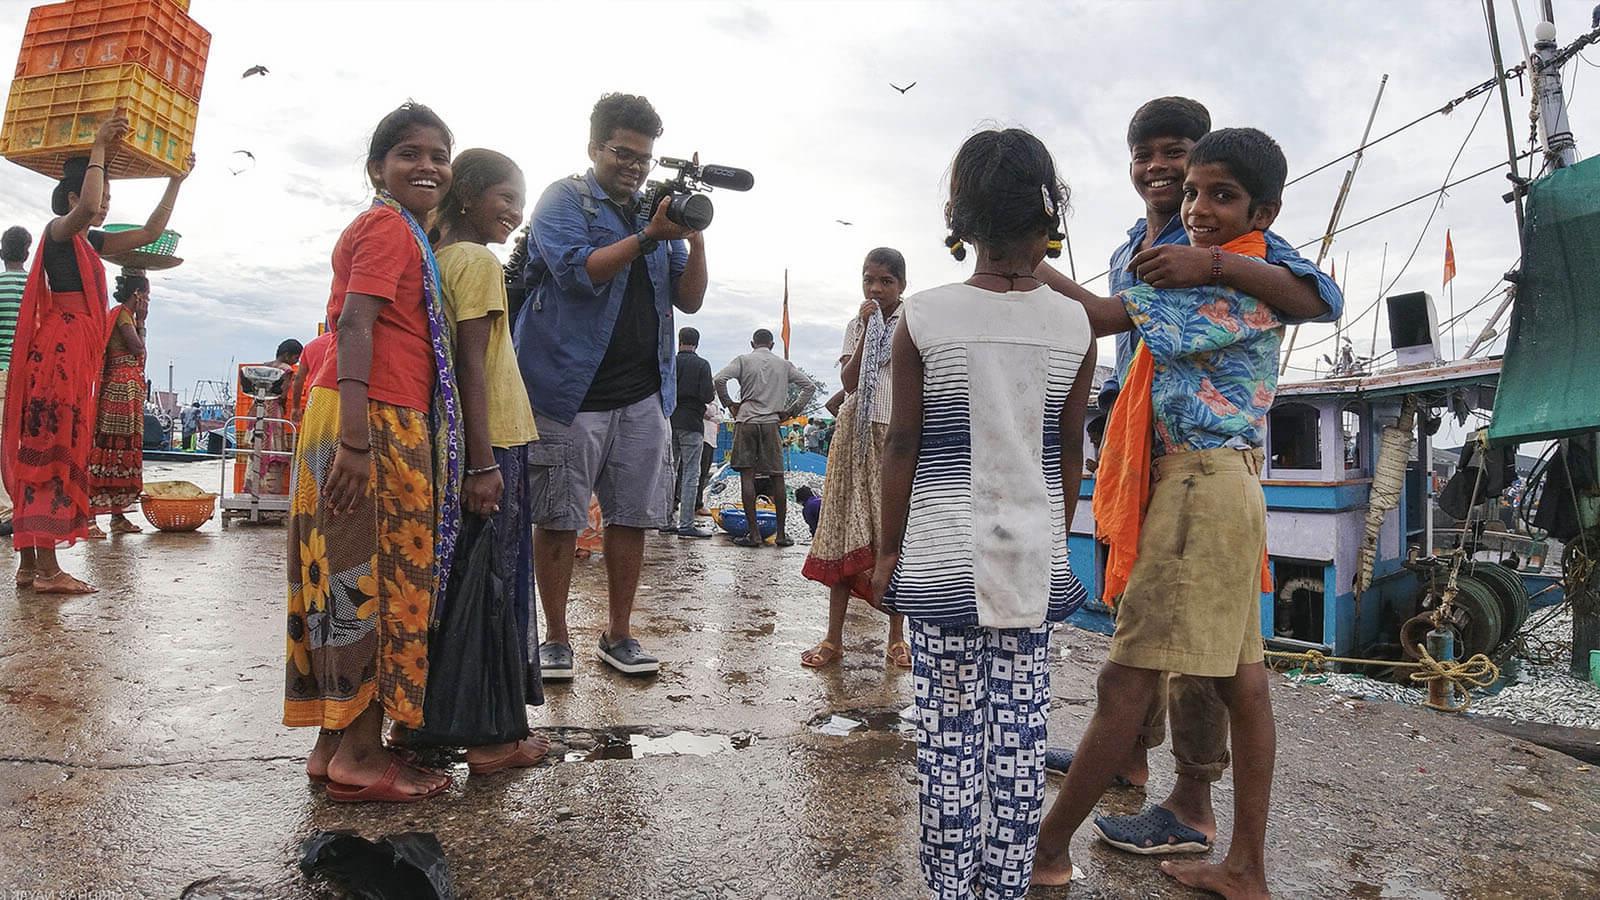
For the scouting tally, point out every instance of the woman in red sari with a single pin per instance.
(116, 460)
(55, 364)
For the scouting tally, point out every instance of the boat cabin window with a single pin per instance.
(1293, 437)
(1298, 610)
(1354, 440)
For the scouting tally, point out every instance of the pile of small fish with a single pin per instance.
(724, 489)
(1530, 691)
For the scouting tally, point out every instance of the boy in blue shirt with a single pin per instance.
(1214, 375)
(1160, 136)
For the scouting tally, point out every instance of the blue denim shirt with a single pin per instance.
(564, 327)
(1279, 253)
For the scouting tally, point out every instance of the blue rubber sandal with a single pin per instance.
(1154, 832)
(1057, 762)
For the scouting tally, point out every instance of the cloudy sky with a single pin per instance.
(799, 93)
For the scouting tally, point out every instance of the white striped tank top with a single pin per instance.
(986, 539)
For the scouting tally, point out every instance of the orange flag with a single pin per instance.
(1449, 259)
(785, 313)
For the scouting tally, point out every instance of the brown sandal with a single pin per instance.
(530, 751)
(899, 653)
(824, 654)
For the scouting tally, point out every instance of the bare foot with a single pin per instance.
(1218, 878)
(120, 525)
(317, 762)
(530, 751)
(1052, 870)
(25, 575)
(61, 583)
(367, 771)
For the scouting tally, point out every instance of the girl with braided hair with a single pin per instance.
(995, 369)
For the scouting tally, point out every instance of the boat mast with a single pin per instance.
(1560, 150)
(1338, 209)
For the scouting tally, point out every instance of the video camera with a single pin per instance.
(688, 207)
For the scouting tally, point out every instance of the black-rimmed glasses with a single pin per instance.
(628, 159)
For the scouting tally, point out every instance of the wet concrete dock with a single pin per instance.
(141, 755)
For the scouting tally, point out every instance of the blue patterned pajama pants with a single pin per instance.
(983, 695)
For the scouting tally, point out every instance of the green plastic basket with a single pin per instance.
(166, 245)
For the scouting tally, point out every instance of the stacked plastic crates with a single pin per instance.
(83, 59)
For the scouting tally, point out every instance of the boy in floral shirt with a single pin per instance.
(1183, 510)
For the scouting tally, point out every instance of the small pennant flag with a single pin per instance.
(1449, 259)
(785, 313)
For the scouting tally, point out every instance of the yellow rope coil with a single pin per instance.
(1477, 671)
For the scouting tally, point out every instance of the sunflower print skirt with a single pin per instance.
(360, 588)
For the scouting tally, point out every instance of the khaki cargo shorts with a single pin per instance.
(1193, 601)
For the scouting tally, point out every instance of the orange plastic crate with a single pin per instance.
(52, 117)
(88, 34)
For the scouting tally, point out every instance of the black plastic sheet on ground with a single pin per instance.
(406, 866)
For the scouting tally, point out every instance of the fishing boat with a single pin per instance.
(1359, 569)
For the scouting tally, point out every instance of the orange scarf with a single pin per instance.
(1122, 482)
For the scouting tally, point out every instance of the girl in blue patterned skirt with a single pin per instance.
(980, 478)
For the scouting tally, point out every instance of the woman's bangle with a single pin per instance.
(99, 166)
(485, 470)
(361, 381)
(354, 449)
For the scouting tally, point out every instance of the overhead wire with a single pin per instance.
(1439, 196)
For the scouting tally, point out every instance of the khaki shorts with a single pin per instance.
(757, 448)
(1193, 601)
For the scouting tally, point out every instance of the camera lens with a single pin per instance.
(691, 211)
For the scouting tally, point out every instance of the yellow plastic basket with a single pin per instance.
(50, 118)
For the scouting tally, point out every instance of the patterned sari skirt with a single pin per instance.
(844, 550)
(514, 529)
(50, 410)
(116, 461)
(361, 586)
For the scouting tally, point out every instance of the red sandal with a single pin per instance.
(384, 790)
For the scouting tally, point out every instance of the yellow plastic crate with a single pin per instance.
(52, 117)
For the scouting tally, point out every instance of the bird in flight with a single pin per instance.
(902, 90)
(254, 70)
(242, 166)
(843, 222)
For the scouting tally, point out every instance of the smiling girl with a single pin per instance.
(484, 206)
(375, 480)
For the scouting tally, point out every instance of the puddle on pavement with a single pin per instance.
(880, 720)
(1394, 887)
(629, 744)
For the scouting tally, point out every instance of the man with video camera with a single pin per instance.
(596, 344)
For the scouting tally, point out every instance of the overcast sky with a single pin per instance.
(799, 93)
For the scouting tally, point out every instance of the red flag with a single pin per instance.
(785, 313)
(1449, 259)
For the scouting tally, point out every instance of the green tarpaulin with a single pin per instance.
(1550, 384)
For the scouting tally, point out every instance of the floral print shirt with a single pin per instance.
(1216, 364)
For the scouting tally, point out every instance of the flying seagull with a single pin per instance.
(254, 70)
(843, 222)
(902, 90)
(242, 166)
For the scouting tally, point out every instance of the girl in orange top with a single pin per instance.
(374, 495)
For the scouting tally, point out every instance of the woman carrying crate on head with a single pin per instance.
(56, 362)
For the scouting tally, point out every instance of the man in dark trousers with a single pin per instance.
(688, 430)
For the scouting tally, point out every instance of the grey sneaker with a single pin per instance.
(555, 662)
(627, 657)
(694, 531)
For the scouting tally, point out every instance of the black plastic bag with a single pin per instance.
(407, 866)
(475, 670)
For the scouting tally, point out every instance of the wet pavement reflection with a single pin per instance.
(141, 751)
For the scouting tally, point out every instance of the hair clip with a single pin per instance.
(1049, 205)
